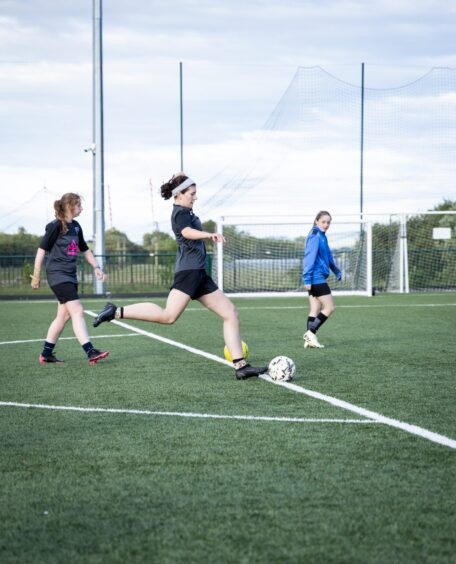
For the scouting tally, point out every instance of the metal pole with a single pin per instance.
(98, 144)
(401, 254)
(369, 260)
(220, 256)
(181, 119)
(361, 178)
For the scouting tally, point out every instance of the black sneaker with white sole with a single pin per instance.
(106, 314)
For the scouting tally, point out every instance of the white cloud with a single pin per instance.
(239, 58)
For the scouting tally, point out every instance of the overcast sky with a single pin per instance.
(240, 61)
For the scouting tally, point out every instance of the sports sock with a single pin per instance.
(309, 321)
(318, 322)
(87, 347)
(239, 363)
(119, 313)
(48, 349)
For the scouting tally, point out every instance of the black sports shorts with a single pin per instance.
(194, 283)
(66, 292)
(317, 290)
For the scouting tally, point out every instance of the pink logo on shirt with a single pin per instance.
(73, 249)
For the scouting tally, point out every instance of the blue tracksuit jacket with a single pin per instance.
(318, 259)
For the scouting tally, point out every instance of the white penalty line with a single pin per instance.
(377, 417)
(66, 339)
(179, 414)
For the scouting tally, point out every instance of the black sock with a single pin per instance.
(309, 321)
(236, 362)
(318, 322)
(48, 349)
(87, 347)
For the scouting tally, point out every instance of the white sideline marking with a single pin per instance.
(412, 429)
(180, 414)
(409, 428)
(67, 339)
(304, 295)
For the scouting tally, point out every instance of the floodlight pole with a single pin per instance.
(181, 118)
(361, 176)
(98, 145)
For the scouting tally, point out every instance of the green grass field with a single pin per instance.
(279, 477)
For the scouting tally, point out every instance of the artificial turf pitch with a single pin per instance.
(168, 486)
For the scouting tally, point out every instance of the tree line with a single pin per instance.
(419, 235)
(117, 242)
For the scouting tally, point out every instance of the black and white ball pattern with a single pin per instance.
(282, 369)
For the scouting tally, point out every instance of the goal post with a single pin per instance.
(264, 258)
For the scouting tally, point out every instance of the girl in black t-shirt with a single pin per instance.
(191, 282)
(63, 240)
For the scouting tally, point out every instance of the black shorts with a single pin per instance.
(318, 290)
(66, 292)
(194, 283)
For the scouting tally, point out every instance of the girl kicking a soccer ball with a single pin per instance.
(318, 261)
(191, 282)
(63, 241)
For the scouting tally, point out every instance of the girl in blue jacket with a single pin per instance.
(318, 261)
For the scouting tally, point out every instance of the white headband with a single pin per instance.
(185, 184)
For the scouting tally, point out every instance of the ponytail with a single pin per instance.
(167, 188)
(67, 202)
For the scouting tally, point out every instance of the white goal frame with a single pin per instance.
(291, 220)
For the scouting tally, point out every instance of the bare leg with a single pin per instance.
(176, 303)
(327, 304)
(224, 308)
(57, 326)
(76, 312)
(315, 306)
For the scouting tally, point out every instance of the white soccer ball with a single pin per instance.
(282, 369)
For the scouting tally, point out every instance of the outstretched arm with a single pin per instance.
(195, 235)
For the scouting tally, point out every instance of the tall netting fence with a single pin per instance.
(309, 150)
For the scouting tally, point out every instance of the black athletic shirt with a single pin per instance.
(191, 254)
(63, 250)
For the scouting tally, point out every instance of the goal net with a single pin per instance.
(415, 252)
(265, 258)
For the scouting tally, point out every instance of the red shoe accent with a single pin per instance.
(95, 359)
(50, 360)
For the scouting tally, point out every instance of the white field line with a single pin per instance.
(407, 427)
(180, 414)
(167, 341)
(67, 339)
(304, 296)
